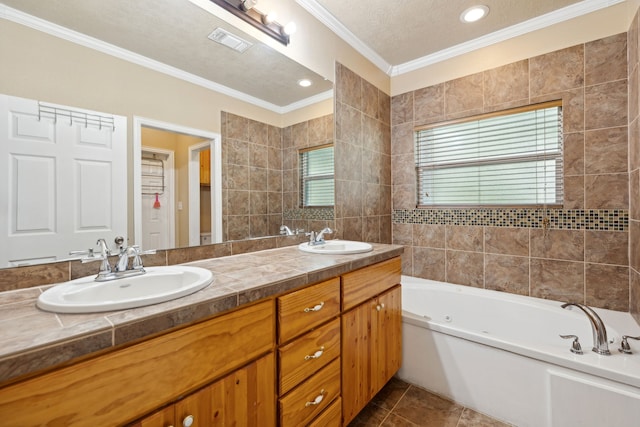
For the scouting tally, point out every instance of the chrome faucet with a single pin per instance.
(121, 267)
(285, 231)
(600, 341)
(318, 238)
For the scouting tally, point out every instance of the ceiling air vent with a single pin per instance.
(230, 40)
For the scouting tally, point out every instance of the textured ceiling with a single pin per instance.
(175, 32)
(403, 30)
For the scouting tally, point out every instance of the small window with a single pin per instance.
(510, 158)
(316, 176)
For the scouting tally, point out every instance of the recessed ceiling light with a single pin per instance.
(474, 13)
(304, 82)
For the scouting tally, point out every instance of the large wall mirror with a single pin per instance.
(151, 62)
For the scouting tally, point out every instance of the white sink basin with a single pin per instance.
(158, 284)
(336, 247)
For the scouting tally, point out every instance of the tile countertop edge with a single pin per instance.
(31, 360)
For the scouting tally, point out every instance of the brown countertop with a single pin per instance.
(33, 339)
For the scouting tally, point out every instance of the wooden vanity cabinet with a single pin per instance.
(371, 333)
(314, 357)
(118, 387)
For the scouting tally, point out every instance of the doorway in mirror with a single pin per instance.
(158, 198)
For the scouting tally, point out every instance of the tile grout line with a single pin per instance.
(394, 406)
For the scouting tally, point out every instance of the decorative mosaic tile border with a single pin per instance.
(578, 219)
(322, 214)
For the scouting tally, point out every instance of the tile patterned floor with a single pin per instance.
(400, 404)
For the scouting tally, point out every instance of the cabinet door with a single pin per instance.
(387, 338)
(357, 360)
(246, 397)
(161, 418)
(371, 349)
(194, 410)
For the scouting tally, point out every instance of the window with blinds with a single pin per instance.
(316, 177)
(510, 158)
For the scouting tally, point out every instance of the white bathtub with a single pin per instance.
(500, 354)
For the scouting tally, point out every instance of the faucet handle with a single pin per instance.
(575, 345)
(624, 345)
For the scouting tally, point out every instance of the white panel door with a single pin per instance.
(158, 231)
(63, 180)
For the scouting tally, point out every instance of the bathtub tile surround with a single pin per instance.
(633, 53)
(363, 159)
(403, 404)
(578, 252)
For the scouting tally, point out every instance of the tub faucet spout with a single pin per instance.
(600, 342)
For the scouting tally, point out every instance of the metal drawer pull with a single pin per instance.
(315, 355)
(317, 400)
(380, 307)
(317, 307)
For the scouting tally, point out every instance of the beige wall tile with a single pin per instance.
(402, 140)
(429, 104)
(607, 286)
(605, 150)
(605, 105)
(403, 234)
(463, 94)
(606, 59)
(574, 192)
(634, 144)
(507, 273)
(432, 236)
(557, 71)
(370, 102)
(634, 245)
(507, 83)
(607, 247)
(403, 171)
(634, 194)
(607, 191)
(574, 154)
(634, 295)
(465, 268)
(557, 280)
(348, 124)
(429, 263)
(464, 238)
(348, 87)
(506, 240)
(557, 244)
(402, 109)
(634, 98)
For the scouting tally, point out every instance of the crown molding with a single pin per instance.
(55, 30)
(560, 15)
(322, 15)
(543, 21)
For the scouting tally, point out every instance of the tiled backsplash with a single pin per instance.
(583, 255)
(45, 274)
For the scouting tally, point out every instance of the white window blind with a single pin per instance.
(511, 158)
(316, 177)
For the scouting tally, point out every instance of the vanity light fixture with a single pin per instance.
(304, 82)
(474, 13)
(265, 22)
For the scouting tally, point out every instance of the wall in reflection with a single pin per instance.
(260, 176)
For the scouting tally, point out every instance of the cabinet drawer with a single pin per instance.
(360, 285)
(301, 310)
(311, 397)
(332, 417)
(296, 361)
